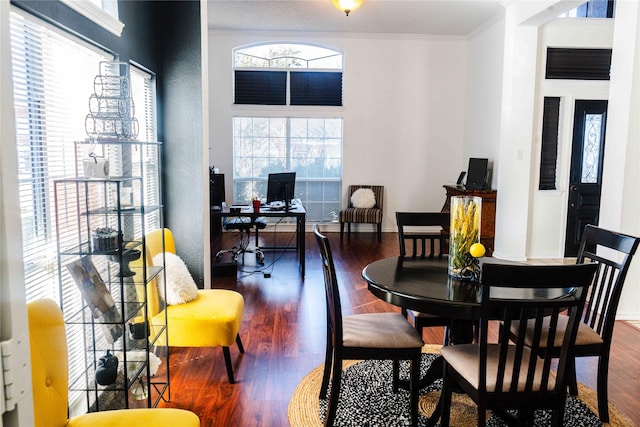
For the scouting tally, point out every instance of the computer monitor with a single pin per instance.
(216, 189)
(280, 187)
(477, 173)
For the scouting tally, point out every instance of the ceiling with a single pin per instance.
(433, 17)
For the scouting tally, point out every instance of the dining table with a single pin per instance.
(424, 285)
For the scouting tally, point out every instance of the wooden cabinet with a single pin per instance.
(488, 226)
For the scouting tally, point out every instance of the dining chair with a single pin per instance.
(612, 252)
(420, 227)
(498, 375)
(50, 381)
(378, 336)
(363, 208)
(212, 319)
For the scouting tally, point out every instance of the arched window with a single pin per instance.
(287, 74)
(307, 141)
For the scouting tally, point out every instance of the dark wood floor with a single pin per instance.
(283, 332)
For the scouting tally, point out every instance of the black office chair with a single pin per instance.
(244, 225)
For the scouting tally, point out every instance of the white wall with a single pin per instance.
(404, 105)
(484, 94)
(548, 209)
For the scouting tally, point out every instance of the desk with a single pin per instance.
(297, 211)
(423, 284)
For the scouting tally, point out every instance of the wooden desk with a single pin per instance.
(297, 211)
(488, 215)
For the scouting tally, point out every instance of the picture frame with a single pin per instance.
(95, 293)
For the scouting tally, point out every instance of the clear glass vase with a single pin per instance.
(464, 231)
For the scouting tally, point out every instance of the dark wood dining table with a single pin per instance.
(424, 285)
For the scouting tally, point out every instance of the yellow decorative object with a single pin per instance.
(464, 232)
(50, 381)
(477, 250)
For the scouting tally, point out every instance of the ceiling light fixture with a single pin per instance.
(347, 5)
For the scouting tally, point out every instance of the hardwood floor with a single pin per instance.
(283, 333)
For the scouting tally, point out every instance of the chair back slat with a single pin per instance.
(613, 252)
(422, 219)
(518, 367)
(334, 308)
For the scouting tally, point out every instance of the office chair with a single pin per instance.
(244, 225)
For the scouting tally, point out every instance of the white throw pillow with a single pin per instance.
(363, 198)
(181, 287)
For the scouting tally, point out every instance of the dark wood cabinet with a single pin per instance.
(488, 219)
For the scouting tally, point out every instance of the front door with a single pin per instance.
(585, 179)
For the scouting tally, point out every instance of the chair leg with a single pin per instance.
(572, 381)
(239, 342)
(445, 399)
(395, 381)
(415, 388)
(379, 232)
(328, 357)
(227, 362)
(334, 396)
(341, 229)
(603, 405)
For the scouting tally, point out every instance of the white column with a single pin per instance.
(620, 203)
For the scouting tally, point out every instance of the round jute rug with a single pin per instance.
(366, 399)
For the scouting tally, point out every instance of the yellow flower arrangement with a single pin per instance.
(464, 233)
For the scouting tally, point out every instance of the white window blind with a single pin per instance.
(53, 76)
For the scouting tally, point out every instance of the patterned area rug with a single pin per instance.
(367, 399)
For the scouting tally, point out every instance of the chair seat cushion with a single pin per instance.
(465, 359)
(157, 417)
(586, 335)
(211, 320)
(356, 215)
(379, 330)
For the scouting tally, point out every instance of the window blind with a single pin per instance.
(316, 88)
(53, 78)
(549, 150)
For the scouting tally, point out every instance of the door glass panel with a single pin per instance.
(591, 148)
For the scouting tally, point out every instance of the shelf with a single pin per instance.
(110, 289)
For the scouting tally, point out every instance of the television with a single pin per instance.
(216, 190)
(280, 187)
(477, 173)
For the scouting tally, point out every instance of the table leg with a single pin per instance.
(301, 243)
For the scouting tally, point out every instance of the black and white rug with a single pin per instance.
(367, 399)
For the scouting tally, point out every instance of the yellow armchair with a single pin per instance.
(212, 319)
(50, 381)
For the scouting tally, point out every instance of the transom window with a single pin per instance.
(287, 74)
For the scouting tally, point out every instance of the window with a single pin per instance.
(53, 77)
(287, 74)
(311, 147)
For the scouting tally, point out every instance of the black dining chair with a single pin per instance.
(612, 252)
(420, 227)
(499, 375)
(378, 336)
